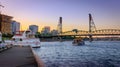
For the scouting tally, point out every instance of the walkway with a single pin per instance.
(17, 57)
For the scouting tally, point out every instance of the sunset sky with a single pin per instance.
(106, 13)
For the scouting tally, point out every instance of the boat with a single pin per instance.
(3, 45)
(78, 42)
(25, 38)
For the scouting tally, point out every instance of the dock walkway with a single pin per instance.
(17, 57)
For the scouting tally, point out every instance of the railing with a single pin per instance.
(4, 46)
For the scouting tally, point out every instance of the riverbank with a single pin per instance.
(18, 57)
(54, 40)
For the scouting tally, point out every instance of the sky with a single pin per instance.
(105, 13)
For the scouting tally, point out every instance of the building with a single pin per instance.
(33, 28)
(59, 27)
(46, 30)
(5, 24)
(54, 32)
(15, 26)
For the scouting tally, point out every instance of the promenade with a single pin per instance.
(17, 57)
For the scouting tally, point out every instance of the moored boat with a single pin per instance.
(25, 38)
(3, 45)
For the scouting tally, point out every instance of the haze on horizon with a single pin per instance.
(106, 13)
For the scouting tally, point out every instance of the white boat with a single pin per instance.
(3, 45)
(24, 38)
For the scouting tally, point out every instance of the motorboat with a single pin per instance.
(78, 42)
(25, 38)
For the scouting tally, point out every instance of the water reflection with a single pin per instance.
(95, 54)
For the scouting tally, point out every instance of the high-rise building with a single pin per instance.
(5, 23)
(46, 30)
(33, 28)
(60, 25)
(15, 27)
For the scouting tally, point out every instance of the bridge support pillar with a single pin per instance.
(90, 38)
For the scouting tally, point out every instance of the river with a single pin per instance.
(94, 54)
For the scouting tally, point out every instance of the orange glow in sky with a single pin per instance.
(74, 13)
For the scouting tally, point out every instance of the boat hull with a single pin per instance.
(35, 43)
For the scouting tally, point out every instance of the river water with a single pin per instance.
(94, 54)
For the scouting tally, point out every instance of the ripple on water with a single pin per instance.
(95, 54)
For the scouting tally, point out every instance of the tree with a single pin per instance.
(75, 30)
(37, 34)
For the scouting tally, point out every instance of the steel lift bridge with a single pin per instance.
(92, 31)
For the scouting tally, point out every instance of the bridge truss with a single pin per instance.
(102, 32)
(92, 31)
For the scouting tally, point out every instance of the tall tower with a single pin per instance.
(33, 28)
(91, 27)
(91, 24)
(15, 26)
(60, 25)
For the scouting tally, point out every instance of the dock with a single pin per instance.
(18, 57)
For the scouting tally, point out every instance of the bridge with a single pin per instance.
(102, 32)
(92, 31)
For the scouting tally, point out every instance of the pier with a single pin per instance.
(18, 57)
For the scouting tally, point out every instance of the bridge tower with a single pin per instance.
(60, 26)
(92, 27)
